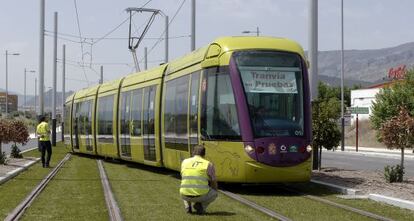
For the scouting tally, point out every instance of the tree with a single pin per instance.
(325, 113)
(397, 132)
(18, 134)
(4, 137)
(392, 115)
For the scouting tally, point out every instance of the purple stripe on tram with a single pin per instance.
(273, 153)
(242, 111)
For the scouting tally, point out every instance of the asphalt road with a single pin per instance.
(32, 143)
(352, 161)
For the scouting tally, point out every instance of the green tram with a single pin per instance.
(246, 99)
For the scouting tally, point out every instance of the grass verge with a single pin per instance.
(75, 193)
(145, 193)
(378, 208)
(15, 190)
(293, 206)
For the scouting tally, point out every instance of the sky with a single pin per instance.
(368, 24)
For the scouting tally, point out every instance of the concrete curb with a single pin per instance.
(336, 188)
(379, 154)
(17, 171)
(355, 194)
(392, 201)
(24, 151)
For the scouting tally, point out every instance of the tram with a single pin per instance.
(246, 99)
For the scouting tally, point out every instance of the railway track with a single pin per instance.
(111, 204)
(342, 206)
(281, 217)
(17, 213)
(255, 206)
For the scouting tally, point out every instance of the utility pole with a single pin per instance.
(24, 92)
(35, 103)
(145, 59)
(193, 14)
(166, 39)
(342, 79)
(54, 81)
(63, 92)
(313, 58)
(7, 87)
(101, 80)
(7, 80)
(42, 57)
(25, 77)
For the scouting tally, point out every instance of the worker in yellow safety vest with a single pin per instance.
(198, 183)
(43, 134)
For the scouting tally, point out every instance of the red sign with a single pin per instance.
(397, 72)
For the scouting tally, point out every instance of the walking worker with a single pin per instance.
(198, 181)
(43, 134)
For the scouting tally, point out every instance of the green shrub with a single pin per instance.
(3, 158)
(15, 152)
(394, 173)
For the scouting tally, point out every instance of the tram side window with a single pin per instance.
(175, 113)
(125, 106)
(105, 116)
(136, 112)
(219, 113)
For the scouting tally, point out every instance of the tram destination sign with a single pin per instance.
(358, 110)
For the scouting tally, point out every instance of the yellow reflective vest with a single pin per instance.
(194, 178)
(43, 130)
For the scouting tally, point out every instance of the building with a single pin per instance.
(365, 97)
(12, 100)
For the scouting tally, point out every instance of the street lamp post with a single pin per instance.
(248, 32)
(35, 104)
(7, 78)
(25, 71)
(342, 79)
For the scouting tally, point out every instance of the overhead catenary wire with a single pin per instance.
(80, 37)
(85, 39)
(162, 34)
(118, 26)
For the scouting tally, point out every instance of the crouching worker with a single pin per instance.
(198, 181)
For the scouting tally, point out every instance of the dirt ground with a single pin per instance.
(368, 182)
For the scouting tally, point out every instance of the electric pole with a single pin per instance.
(54, 80)
(42, 57)
(63, 92)
(193, 14)
(313, 58)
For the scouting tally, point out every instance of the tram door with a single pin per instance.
(149, 125)
(125, 124)
(75, 126)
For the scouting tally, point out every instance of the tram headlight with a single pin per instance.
(309, 148)
(249, 149)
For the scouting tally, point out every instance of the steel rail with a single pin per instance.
(255, 206)
(21, 208)
(342, 206)
(111, 204)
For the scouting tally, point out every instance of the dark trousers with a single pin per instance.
(45, 146)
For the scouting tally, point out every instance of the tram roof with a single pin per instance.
(249, 42)
(144, 76)
(90, 91)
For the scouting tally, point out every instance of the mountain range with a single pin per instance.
(367, 66)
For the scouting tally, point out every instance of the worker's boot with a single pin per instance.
(188, 209)
(199, 208)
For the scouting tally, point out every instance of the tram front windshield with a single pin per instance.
(273, 84)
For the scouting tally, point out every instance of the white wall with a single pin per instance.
(363, 98)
